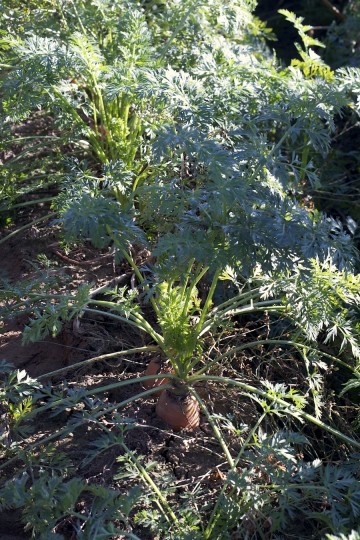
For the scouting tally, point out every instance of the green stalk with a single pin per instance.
(49, 374)
(274, 342)
(28, 203)
(267, 305)
(27, 226)
(130, 260)
(251, 434)
(94, 112)
(106, 388)
(97, 95)
(309, 487)
(93, 137)
(304, 160)
(102, 109)
(70, 429)
(28, 150)
(135, 128)
(58, 7)
(207, 304)
(187, 276)
(191, 288)
(69, 108)
(297, 412)
(144, 474)
(214, 514)
(236, 310)
(271, 153)
(124, 109)
(215, 429)
(139, 177)
(236, 300)
(176, 30)
(30, 137)
(137, 380)
(140, 325)
(109, 34)
(78, 17)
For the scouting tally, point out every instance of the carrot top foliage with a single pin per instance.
(172, 127)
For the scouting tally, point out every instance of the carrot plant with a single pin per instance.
(175, 129)
(314, 300)
(179, 329)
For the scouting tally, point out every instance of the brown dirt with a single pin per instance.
(22, 258)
